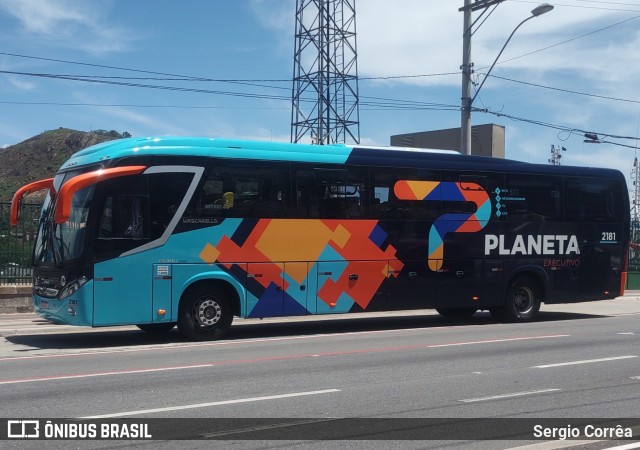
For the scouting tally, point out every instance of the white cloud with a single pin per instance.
(72, 23)
(21, 84)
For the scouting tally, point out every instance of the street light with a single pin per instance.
(467, 100)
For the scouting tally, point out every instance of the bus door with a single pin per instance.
(350, 286)
(412, 288)
(459, 283)
(298, 282)
(162, 279)
(281, 288)
(267, 282)
(122, 292)
(122, 283)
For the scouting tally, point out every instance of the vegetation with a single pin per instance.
(41, 156)
(34, 159)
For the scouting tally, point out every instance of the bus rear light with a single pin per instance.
(623, 274)
(475, 298)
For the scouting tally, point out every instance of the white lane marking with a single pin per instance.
(584, 361)
(103, 374)
(635, 378)
(494, 341)
(206, 405)
(628, 333)
(261, 340)
(514, 394)
(553, 445)
(211, 364)
(153, 347)
(625, 447)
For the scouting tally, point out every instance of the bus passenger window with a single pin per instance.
(240, 190)
(532, 198)
(593, 199)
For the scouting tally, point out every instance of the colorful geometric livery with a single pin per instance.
(447, 223)
(287, 254)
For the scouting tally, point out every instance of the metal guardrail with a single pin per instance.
(16, 244)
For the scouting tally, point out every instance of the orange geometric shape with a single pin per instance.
(293, 240)
(341, 236)
(414, 190)
(209, 254)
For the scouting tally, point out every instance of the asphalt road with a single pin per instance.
(576, 361)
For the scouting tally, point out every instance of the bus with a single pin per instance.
(159, 232)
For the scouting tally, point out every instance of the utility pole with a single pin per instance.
(466, 67)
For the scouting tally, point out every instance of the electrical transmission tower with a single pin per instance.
(325, 73)
(635, 204)
(555, 155)
(634, 253)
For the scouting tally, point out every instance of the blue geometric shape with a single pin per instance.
(291, 307)
(269, 304)
(378, 236)
(450, 192)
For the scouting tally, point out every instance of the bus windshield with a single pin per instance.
(59, 243)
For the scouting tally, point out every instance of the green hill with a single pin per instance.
(41, 156)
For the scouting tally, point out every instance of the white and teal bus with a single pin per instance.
(194, 231)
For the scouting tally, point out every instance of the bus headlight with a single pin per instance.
(73, 287)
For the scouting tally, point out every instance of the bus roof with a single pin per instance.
(331, 154)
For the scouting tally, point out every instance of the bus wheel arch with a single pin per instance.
(523, 297)
(206, 310)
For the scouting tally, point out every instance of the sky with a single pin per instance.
(570, 71)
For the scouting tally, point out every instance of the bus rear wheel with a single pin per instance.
(522, 301)
(456, 313)
(204, 315)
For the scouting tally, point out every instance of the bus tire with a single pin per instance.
(204, 315)
(522, 301)
(157, 328)
(456, 313)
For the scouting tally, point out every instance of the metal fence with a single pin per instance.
(16, 244)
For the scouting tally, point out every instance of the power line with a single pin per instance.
(567, 40)
(587, 7)
(565, 90)
(570, 130)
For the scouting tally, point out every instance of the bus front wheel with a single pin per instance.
(522, 301)
(204, 315)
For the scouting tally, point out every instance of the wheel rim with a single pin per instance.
(523, 300)
(207, 312)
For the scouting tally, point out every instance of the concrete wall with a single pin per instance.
(16, 299)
